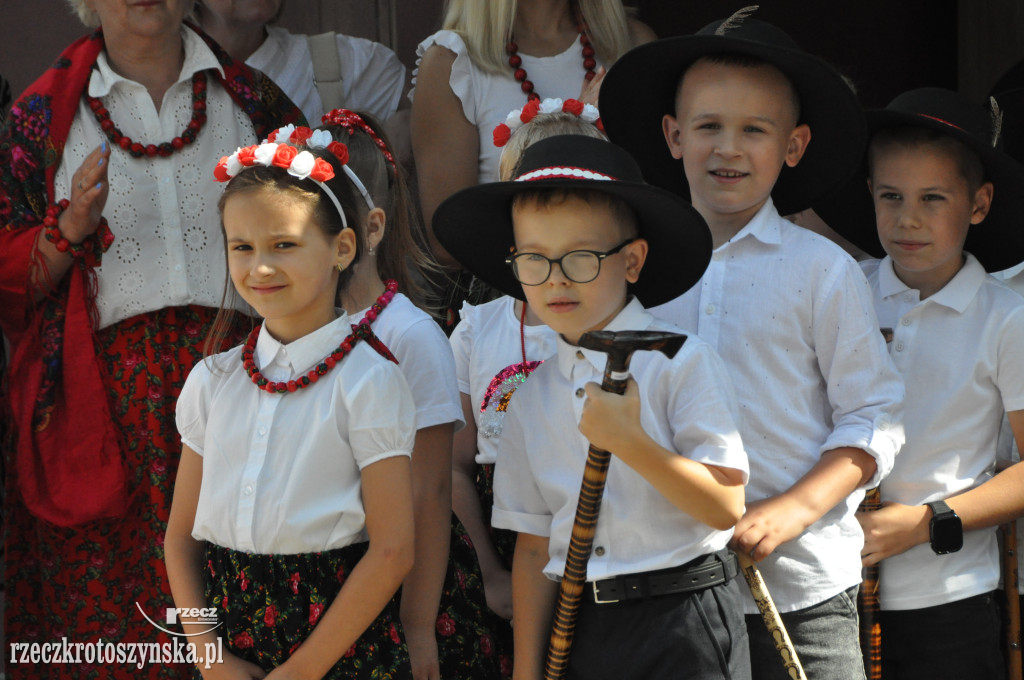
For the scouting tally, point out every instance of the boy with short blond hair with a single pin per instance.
(948, 206)
(748, 126)
(588, 243)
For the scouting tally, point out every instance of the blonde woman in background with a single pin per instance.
(465, 84)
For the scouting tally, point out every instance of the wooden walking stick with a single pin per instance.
(867, 597)
(620, 347)
(867, 604)
(1013, 650)
(771, 617)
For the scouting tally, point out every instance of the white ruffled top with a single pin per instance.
(488, 97)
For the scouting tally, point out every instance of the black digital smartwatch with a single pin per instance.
(945, 530)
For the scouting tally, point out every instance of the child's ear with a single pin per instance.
(636, 255)
(376, 220)
(799, 138)
(982, 202)
(670, 128)
(346, 247)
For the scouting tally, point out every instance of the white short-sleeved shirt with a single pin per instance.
(686, 406)
(425, 358)
(961, 353)
(168, 249)
(372, 75)
(487, 98)
(281, 472)
(791, 315)
(489, 364)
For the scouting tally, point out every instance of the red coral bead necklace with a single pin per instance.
(361, 331)
(519, 73)
(138, 150)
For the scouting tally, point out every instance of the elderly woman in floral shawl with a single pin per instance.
(111, 270)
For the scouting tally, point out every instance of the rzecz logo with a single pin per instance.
(205, 616)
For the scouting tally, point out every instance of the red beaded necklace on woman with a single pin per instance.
(360, 331)
(519, 73)
(165, 149)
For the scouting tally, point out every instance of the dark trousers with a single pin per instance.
(955, 641)
(698, 636)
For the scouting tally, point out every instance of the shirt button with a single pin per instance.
(248, 491)
(262, 431)
(579, 354)
(883, 425)
(906, 322)
(710, 309)
(177, 267)
(717, 257)
(580, 392)
(599, 550)
(899, 346)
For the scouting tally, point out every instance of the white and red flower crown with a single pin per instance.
(297, 162)
(520, 117)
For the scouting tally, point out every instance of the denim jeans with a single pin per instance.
(955, 641)
(826, 637)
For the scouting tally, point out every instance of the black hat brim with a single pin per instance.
(475, 226)
(640, 88)
(997, 242)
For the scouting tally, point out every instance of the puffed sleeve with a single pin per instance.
(192, 410)
(461, 80)
(381, 420)
(425, 357)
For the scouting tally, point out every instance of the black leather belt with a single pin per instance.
(700, 574)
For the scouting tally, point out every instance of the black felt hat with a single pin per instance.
(998, 241)
(475, 224)
(641, 88)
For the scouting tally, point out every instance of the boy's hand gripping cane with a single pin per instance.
(620, 347)
(772, 618)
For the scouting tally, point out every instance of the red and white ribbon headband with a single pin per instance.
(564, 173)
(520, 117)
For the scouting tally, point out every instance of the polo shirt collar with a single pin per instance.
(303, 354)
(633, 317)
(198, 57)
(957, 294)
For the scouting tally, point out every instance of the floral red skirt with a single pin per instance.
(90, 582)
(269, 604)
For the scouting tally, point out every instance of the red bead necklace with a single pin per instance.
(138, 150)
(361, 331)
(519, 73)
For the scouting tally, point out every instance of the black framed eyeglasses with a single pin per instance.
(579, 266)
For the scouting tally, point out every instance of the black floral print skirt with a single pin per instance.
(269, 604)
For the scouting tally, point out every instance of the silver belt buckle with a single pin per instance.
(597, 598)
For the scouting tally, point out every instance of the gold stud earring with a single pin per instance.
(340, 267)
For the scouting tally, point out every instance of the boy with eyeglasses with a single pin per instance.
(576, 227)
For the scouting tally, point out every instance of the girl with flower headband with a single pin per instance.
(292, 514)
(442, 601)
(497, 346)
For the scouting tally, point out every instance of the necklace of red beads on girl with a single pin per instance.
(138, 150)
(361, 331)
(519, 73)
